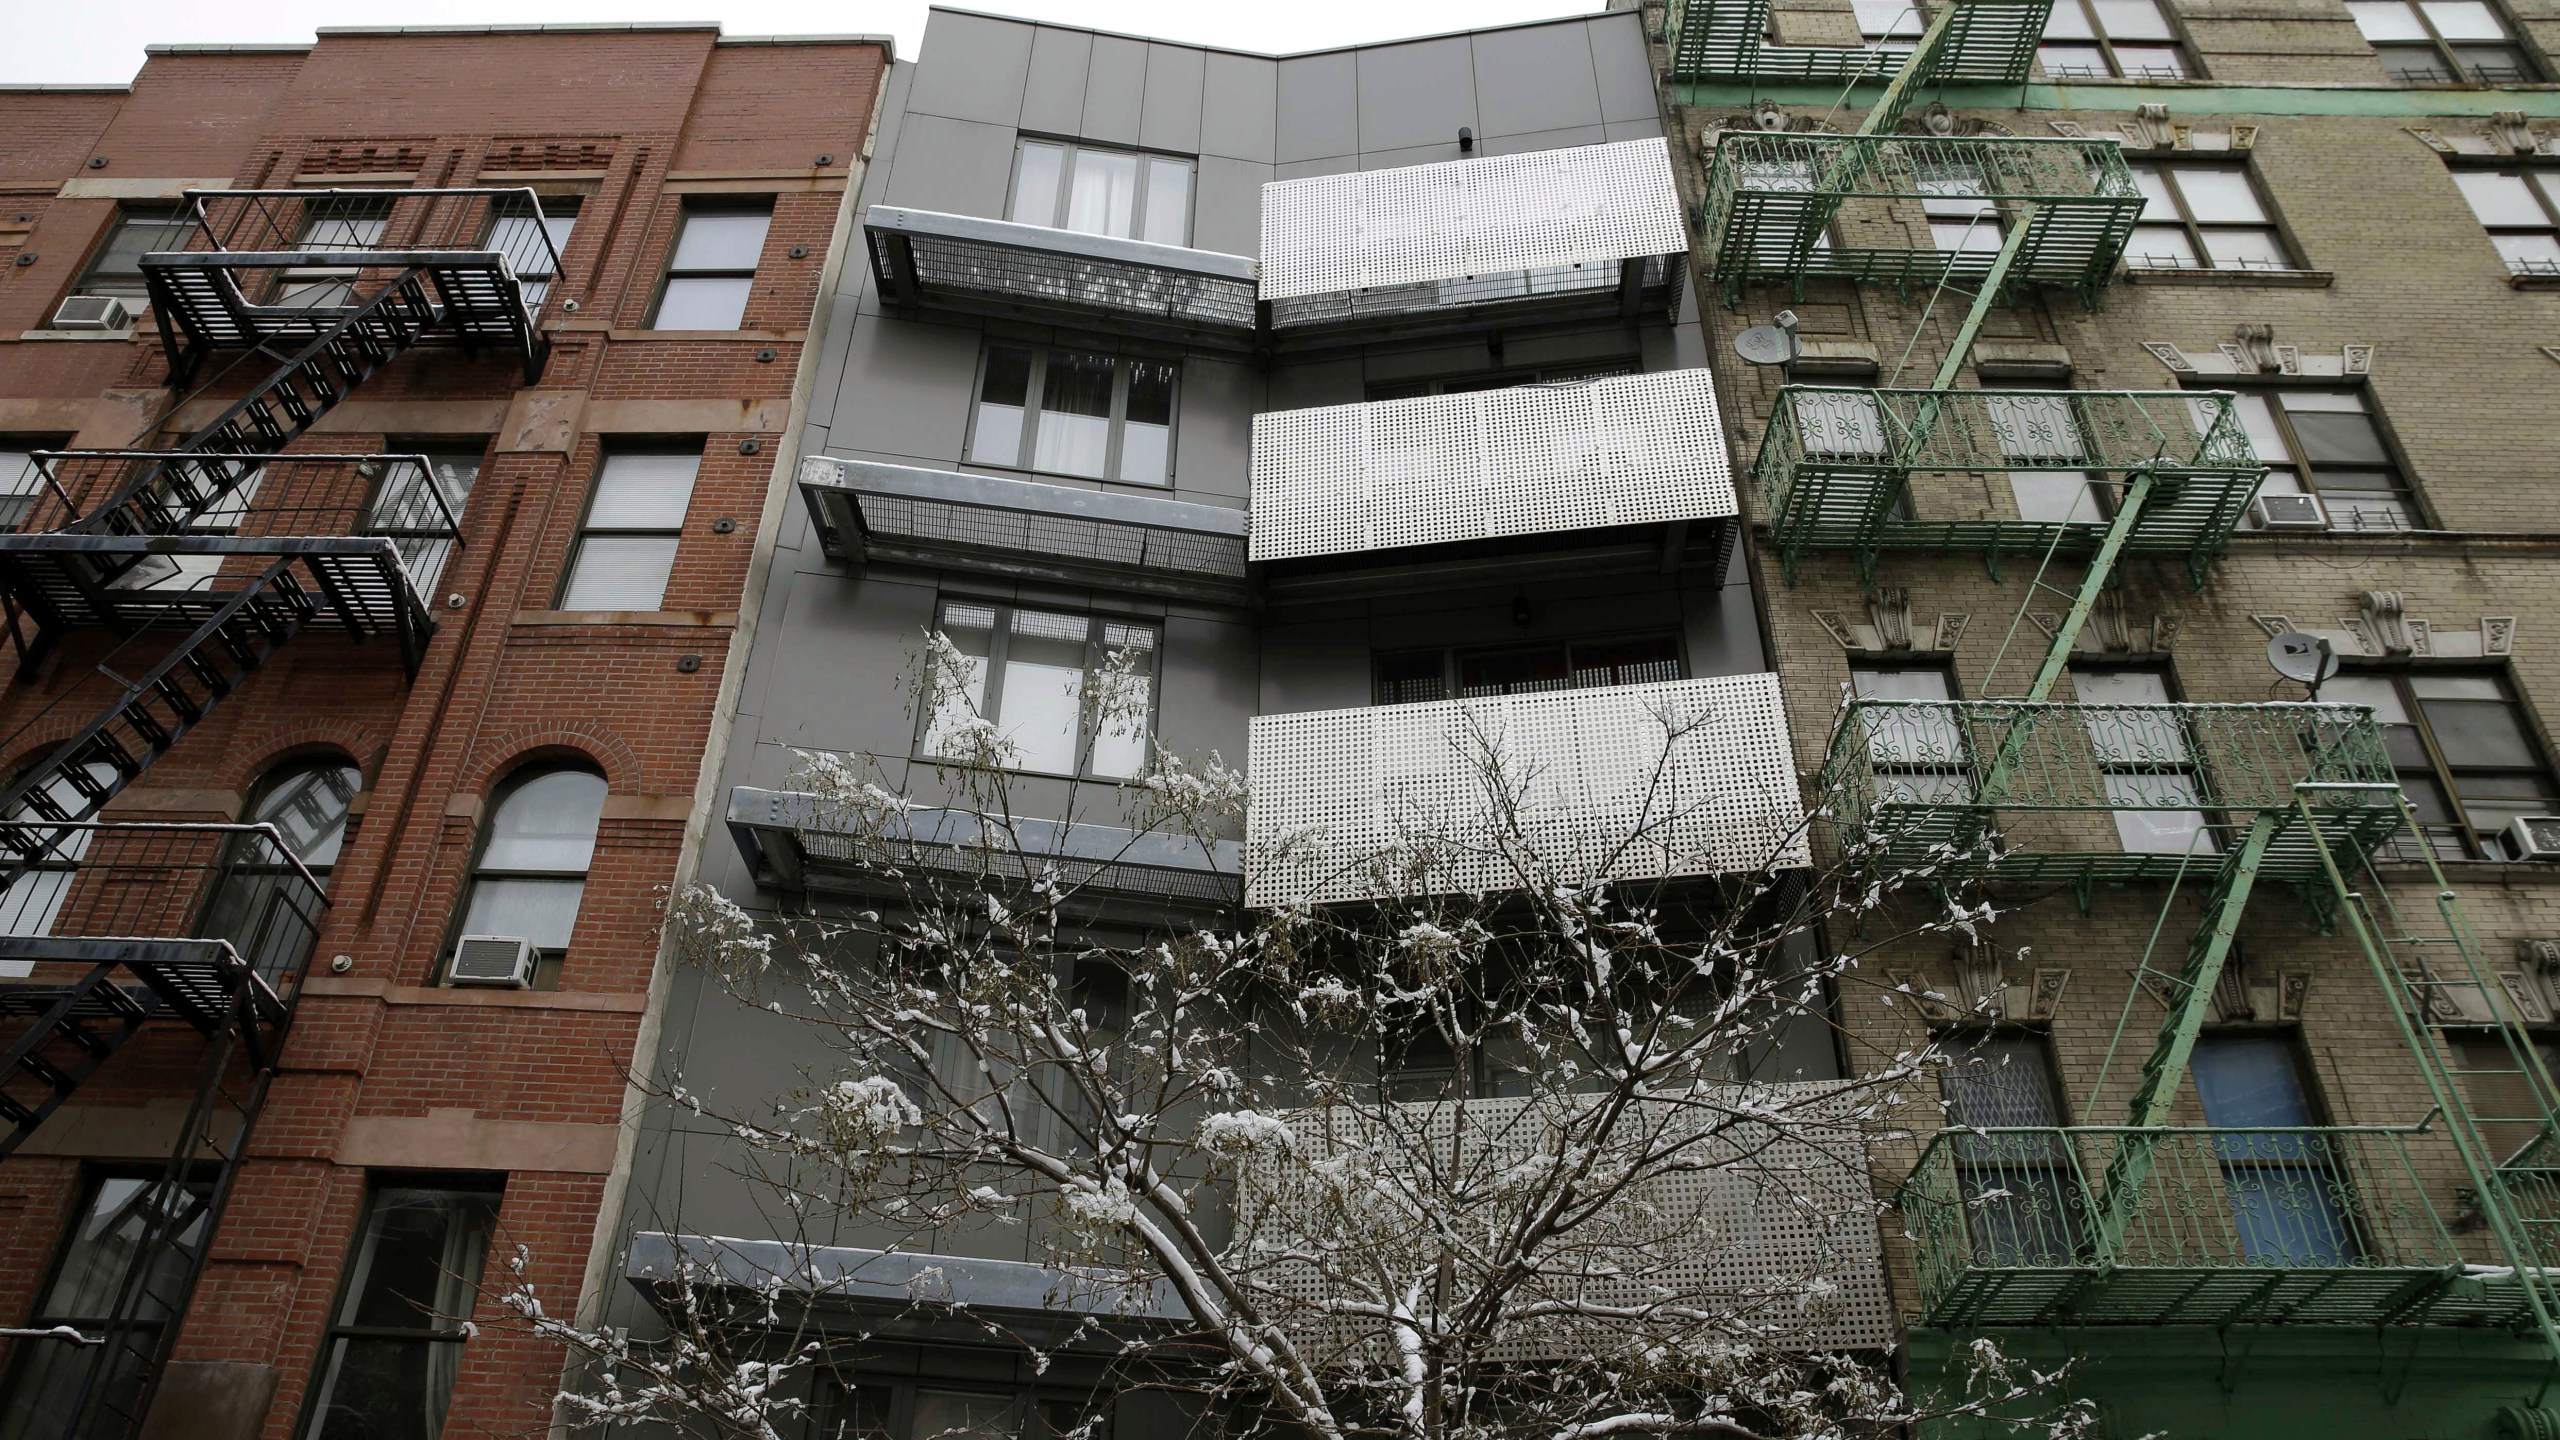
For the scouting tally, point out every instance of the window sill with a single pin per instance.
(89, 335)
(358, 987)
(947, 762)
(759, 337)
(1064, 481)
(2234, 279)
(2533, 282)
(682, 618)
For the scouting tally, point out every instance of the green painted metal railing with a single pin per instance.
(1772, 198)
(1988, 41)
(1928, 782)
(2346, 1225)
(1835, 467)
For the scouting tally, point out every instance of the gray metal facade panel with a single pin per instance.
(1115, 90)
(1171, 117)
(1535, 79)
(1239, 107)
(957, 167)
(1208, 673)
(1053, 96)
(1319, 106)
(906, 389)
(1417, 94)
(1227, 213)
(1213, 434)
(1529, 140)
(1625, 70)
(973, 68)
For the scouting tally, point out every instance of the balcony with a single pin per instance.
(868, 513)
(172, 537)
(1987, 42)
(1773, 200)
(2102, 792)
(1568, 234)
(1439, 487)
(268, 266)
(2342, 1225)
(1836, 466)
(975, 266)
(1682, 778)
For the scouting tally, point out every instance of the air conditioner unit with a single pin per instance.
(2289, 512)
(503, 962)
(2534, 837)
(92, 312)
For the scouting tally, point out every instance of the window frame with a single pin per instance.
(242, 858)
(1077, 148)
(991, 707)
(668, 273)
(25, 1356)
(1034, 392)
(2305, 478)
(1453, 660)
(2529, 71)
(2198, 231)
(168, 214)
(1958, 768)
(332, 287)
(2539, 181)
(32, 477)
(311, 1422)
(2017, 1162)
(2331, 1174)
(586, 513)
(548, 961)
(2473, 844)
(2210, 822)
(2188, 67)
(504, 210)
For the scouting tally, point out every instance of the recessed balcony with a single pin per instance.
(928, 260)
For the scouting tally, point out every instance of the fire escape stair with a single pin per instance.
(471, 297)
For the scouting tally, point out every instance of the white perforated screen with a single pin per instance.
(1627, 450)
(1546, 209)
(1683, 777)
(1775, 1226)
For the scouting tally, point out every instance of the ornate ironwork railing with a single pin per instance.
(2336, 1224)
(1772, 198)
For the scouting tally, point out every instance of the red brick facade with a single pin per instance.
(385, 1072)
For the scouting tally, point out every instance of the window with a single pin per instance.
(2288, 1192)
(195, 572)
(114, 1228)
(2202, 217)
(1032, 675)
(420, 510)
(532, 868)
(2466, 757)
(712, 269)
(2521, 210)
(117, 267)
(1918, 753)
(1889, 24)
(2439, 41)
(627, 547)
(2020, 1200)
(1409, 676)
(1954, 195)
(1074, 412)
(345, 223)
(30, 906)
(2087, 39)
(1102, 192)
(1504, 380)
(259, 903)
(395, 1340)
(516, 232)
(2325, 442)
(21, 480)
(2147, 761)
(2043, 430)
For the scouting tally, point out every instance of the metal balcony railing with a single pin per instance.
(1631, 450)
(1987, 42)
(2340, 1225)
(1594, 229)
(1929, 781)
(1634, 782)
(1789, 207)
(1836, 464)
(1005, 268)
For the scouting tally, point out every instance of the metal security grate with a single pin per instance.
(964, 262)
(1534, 459)
(1638, 782)
(1521, 228)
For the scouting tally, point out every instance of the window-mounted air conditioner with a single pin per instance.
(503, 962)
(2534, 837)
(2290, 512)
(92, 312)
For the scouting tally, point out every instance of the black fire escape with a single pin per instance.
(186, 568)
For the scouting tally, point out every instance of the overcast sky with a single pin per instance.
(64, 42)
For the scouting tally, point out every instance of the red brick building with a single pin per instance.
(520, 312)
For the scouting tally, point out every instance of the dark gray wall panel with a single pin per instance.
(906, 389)
(960, 167)
(1115, 90)
(1319, 106)
(1414, 95)
(1213, 439)
(1053, 97)
(1626, 74)
(1239, 107)
(1171, 118)
(978, 68)
(1227, 213)
(1535, 79)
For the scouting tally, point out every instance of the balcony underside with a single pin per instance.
(888, 1285)
(1949, 839)
(2237, 1295)
(184, 979)
(477, 300)
(2190, 518)
(870, 513)
(1775, 238)
(1696, 551)
(968, 265)
(1635, 287)
(1987, 41)
(69, 581)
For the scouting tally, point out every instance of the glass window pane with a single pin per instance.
(2134, 20)
(2070, 21)
(962, 1415)
(110, 1234)
(386, 1389)
(2456, 687)
(2413, 64)
(2244, 249)
(2160, 247)
(1120, 738)
(1043, 694)
(2249, 1080)
(2337, 438)
(419, 1261)
(1892, 19)
(2484, 733)
(703, 303)
(2149, 820)
(544, 912)
(2156, 204)
(1105, 198)
(309, 809)
(2054, 497)
(1002, 394)
(619, 572)
(2076, 61)
(547, 823)
(721, 240)
(2218, 196)
(1035, 183)
(2386, 20)
(2464, 20)
(1146, 438)
(2002, 1080)
(958, 699)
(2537, 254)
(2152, 61)
(2492, 63)
(643, 492)
(1074, 435)
(2500, 199)
(1168, 202)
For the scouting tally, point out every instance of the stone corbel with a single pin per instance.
(2256, 347)
(2044, 999)
(1982, 981)
(2387, 622)
(2151, 127)
(2510, 129)
(1890, 610)
(1935, 1007)
(2177, 361)
(2107, 624)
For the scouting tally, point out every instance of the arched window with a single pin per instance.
(31, 903)
(532, 866)
(261, 903)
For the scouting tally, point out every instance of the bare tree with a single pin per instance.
(1432, 1166)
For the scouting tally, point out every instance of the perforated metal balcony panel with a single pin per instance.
(978, 266)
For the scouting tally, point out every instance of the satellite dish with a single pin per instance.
(2303, 659)
(1765, 345)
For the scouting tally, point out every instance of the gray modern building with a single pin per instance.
(1414, 311)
